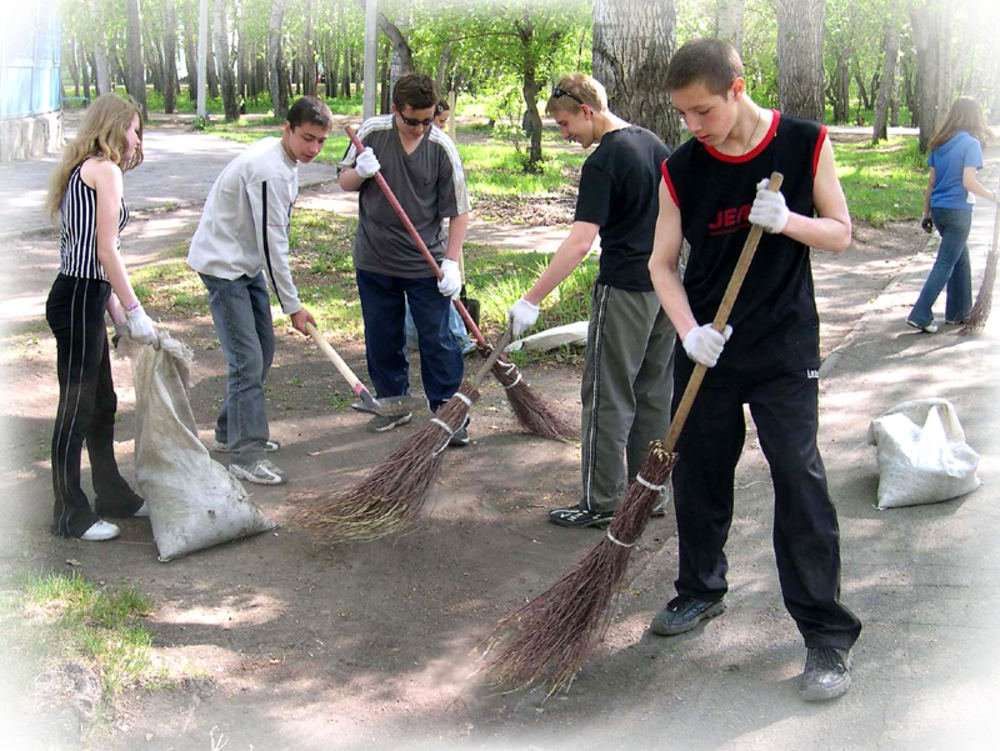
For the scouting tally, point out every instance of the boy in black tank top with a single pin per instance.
(713, 188)
(625, 390)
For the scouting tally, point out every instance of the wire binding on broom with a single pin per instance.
(391, 497)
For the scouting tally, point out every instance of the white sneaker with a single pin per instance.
(100, 530)
(143, 512)
(263, 472)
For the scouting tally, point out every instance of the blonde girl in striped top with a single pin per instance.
(85, 195)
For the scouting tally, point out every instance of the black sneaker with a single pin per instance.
(827, 674)
(383, 423)
(575, 516)
(461, 436)
(683, 613)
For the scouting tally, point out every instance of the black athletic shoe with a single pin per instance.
(575, 516)
(461, 436)
(683, 613)
(827, 674)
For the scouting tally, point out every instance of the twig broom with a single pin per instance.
(548, 639)
(392, 496)
(532, 413)
(984, 300)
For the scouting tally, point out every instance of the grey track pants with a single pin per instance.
(626, 390)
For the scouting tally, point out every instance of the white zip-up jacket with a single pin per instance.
(244, 226)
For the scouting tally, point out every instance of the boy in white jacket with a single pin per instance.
(242, 239)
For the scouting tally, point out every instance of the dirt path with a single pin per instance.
(297, 644)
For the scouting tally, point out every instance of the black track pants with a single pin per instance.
(87, 403)
(806, 534)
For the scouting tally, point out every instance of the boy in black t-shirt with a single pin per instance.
(626, 378)
(714, 187)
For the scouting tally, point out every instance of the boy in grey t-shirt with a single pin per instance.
(423, 168)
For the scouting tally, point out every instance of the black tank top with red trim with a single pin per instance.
(774, 320)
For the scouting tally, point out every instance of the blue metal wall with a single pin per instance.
(29, 59)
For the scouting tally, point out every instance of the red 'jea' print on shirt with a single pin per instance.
(730, 220)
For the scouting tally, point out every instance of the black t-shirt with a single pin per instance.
(774, 320)
(618, 192)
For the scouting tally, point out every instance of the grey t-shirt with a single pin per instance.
(430, 185)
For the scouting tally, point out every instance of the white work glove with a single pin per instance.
(450, 283)
(522, 316)
(704, 344)
(366, 165)
(140, 326)
(769, 209)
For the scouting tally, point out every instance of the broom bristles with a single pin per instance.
(984, 300)
(391, 497)
(531, 412)
(548, 639)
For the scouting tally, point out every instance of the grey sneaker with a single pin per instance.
(263, 472)
(827, 674)
(269, 446)
(683, 613)
(383, 423)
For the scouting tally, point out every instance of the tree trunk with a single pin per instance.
(242, 60)
(85, 72)
(224, 57)
(309, 52)
(929, 22)
(70, 55)
(170, 56)
(887, 85)
(633, 41)
(840, 89)
(191, 56)
(384, 99)
(862, 90)
(275, 64)
(136, 75)
(530, 86)
(402, 55)
(345, 83)
(728, 22)
(800, 57)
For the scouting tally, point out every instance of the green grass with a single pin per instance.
(884, 182)
(71, 618)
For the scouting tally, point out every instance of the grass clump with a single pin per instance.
(72, 618)
(883, 182)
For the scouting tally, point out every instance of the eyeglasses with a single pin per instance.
(558, 92)
(414, 122)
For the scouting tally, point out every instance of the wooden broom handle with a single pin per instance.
(338, 361)
(417, 239)
(719, 322)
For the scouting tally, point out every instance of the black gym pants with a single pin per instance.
(87, 403)
(784, 407)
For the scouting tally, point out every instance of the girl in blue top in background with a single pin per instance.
(956, 155)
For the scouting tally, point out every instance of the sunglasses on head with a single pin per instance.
(558, 92)
(414, 122)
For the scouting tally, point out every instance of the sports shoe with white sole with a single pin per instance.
(263, 472)
(100, 531)
(269, 446)
(384, 423)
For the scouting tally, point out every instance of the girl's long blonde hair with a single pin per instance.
(965, 114)
(101, 134)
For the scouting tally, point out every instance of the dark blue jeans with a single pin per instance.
(951, 269)
(383, 306)
(241, 312)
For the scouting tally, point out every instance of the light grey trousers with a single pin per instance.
(626, 390)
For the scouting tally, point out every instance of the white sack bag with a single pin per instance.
(194, 503)
(922, 454)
